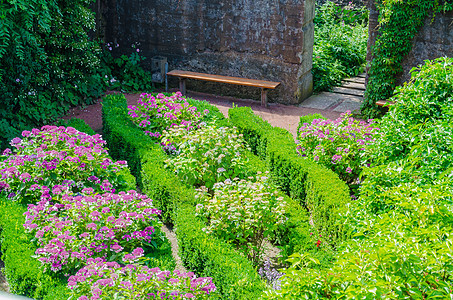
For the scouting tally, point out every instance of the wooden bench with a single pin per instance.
(264, 85)
(383, 103)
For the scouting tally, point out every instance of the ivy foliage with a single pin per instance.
(48, 63)
(399, 22)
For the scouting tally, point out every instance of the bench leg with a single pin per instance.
(263, 97)
(182, 85)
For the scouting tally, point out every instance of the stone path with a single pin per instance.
(349, 96)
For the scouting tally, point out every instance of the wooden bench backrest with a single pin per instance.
(225, 79)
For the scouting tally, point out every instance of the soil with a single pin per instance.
(3, 284)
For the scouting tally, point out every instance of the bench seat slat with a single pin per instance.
(225, 79)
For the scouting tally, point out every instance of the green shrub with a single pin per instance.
(206, 155)
(233, 275)
(124, 72)
(314, 186)
(243, 212)
(23, 272)
(340, 44)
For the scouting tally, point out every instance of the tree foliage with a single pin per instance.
(48, 63)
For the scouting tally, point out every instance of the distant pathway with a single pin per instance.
(349, 96)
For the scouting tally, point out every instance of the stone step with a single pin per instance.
(356, 79)
(354, 85)
(348, 91)
(363, 75)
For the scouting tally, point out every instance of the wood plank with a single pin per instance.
(354, 85)
(382, 103)
(225, 79)
(346, 91)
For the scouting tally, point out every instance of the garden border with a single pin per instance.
(317, 188)
(24, 273)
(202, 253)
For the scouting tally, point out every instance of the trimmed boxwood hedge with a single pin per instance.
(24, 274)
(208, 256)
(234, 276)
(314, 186)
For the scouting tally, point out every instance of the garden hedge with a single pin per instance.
(23, 272)
(314, 186)
(234, 276)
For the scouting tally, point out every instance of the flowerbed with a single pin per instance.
(72, 229)
(205, 154)
(108, 279)
(76, 222)
(234, 275)
(337, 144)
(47, 160)
(154, 113)
(244, 212)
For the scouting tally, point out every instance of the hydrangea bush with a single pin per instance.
(155, 113)
(45, 159)
(243, 212)
(337, 144)
(75, 228)
(206, 155)
(109, 280)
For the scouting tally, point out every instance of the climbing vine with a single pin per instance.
(399, 22)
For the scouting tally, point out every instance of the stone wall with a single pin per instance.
(258, 39)
(434, 40)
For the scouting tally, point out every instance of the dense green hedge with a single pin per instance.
(316, 187)
(23, 272)
(233, 274)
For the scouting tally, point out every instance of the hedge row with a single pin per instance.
(314, 186)
(234, 276)
(24, 273)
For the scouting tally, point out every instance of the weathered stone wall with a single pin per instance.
(434, 40)
(258, 39)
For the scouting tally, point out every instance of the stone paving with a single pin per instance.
(348, 96)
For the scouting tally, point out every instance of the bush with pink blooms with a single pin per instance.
(73, 228)
(109, 280)
(46, 160)
(337, 144)
(155, 113)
